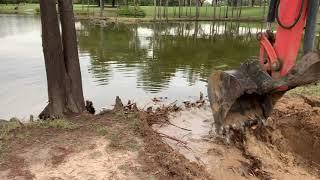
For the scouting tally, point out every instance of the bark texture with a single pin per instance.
(74, 91)
(61, 60)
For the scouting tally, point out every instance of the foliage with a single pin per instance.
(37, 10)
(131, 11)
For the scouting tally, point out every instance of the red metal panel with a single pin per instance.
(288, 40)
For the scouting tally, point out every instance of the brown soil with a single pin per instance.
(287, 148)
(296, 129)
(168, 143)
(114, 145)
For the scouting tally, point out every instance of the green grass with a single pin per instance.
(93, 10)
(252, 12)
(311, 90)
(56, 124)
(9, 127)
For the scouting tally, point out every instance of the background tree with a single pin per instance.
(101, 7)
(61, 60)
(252, 3)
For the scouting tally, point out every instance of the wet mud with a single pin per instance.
(287, 147)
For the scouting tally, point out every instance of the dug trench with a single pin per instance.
(172, 141)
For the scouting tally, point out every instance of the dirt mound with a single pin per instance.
(296, 124)
(286, 148)
(291, 138)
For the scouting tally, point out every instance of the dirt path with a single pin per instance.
(87, 152)
(167, 143)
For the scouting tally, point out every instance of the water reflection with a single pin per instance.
(132, 61)
(154, 53)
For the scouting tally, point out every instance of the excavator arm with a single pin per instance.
(246, 96)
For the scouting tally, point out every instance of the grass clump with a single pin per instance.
(56, 123)
(3, 149)
(131, 11)
(102, 131)
(9, 126)
(311, 90)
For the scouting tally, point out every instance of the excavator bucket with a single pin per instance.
(246, 96)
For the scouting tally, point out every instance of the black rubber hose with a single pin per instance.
(272, 11)
(295, 21)
(311, 24)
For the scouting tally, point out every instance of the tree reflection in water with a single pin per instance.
(156, 52)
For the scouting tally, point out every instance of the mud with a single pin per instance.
(168, 142)
(286, 148)
(296, 124)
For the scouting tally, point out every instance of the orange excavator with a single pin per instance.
(246, 96)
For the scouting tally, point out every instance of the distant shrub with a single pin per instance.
(37, 10)
(131, 11)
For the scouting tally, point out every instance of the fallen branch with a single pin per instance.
(172, 138)
(178, 126)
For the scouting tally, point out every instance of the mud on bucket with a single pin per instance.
(246, 96)
(237, 97)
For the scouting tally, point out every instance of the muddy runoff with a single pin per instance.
(286, 147)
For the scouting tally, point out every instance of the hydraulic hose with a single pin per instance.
(272, 11)
(310, 30)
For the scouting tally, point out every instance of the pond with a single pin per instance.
(135, 61)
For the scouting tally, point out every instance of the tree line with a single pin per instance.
(151, 2)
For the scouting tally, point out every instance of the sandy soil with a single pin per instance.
(168, 143)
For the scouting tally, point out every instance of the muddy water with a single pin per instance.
(221, 162)
(133, 61)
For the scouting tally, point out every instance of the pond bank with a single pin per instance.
(164, 142)
(82, 13)
(131, 20)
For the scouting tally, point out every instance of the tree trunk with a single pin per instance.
(155, 9)
(113, 3)
(197, 9)
(227, 10)
(64, 83)
(232, 9)
(101, 7)
(186, 8)
(135, 8)
(240, 10)
(164, 11)
(214, 8)
(179, 11)
(53, 55)
(71, 57)
(159, 9)
(190, 7)
(167, 3)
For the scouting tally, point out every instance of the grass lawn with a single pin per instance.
(247, 12)
(252, 12)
